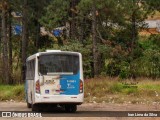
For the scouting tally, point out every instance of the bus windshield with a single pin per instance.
(58, 64)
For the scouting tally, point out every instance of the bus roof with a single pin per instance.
(51, 52)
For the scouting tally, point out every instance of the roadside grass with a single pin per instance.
(103, 90)
(11, 92)
(110, 90)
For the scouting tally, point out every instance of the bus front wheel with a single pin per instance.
(70, 108)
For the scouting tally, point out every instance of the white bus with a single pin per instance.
(54, 78)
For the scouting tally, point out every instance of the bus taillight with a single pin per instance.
(81, 86)
(37, 87)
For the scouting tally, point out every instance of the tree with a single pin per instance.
(109, 29)
(61, 13)
(153, 5)
(5, 41)
(95, 11)
(10, 45)
(56, 14)
(0, 43)
(37, 10)
(73, 19)
(96, 57)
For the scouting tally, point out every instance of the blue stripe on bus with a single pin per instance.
(70, 84)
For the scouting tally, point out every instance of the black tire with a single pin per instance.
(29, 105)
(35, 107)
(70, 108)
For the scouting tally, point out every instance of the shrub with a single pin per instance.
(116, 87)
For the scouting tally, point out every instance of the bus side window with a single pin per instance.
(32, 64)
(30, 71)
(33, 69)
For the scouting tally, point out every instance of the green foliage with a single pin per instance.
(144, 62)
(19, 92)
(154, 5)
(122, 53)
(131, 91)
(121, 69)
(57, 14)
(8, 92)
(125, 70)
(123, 57)
(148, 64)
(115, 87)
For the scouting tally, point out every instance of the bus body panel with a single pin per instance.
(60, 84)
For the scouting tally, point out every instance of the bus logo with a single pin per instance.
(49, 82)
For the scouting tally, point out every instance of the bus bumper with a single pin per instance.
(58, 99)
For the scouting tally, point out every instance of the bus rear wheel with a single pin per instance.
(35, 107)
(70, 108)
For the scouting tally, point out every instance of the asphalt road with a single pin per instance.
(89, 110)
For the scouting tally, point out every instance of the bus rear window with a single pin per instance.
(58, 64)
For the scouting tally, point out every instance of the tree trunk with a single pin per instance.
(0, 34)
(10, 46)
(81, 33)
(5, 43)
(24, 40)
(0, 48)
(94, 40)
(134, 35)
(37, 34)
(72, 23)
(134, 29)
